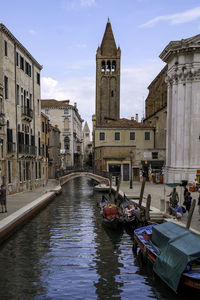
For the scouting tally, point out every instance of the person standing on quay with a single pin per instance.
(3, 199)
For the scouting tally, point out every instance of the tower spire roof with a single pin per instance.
(108, 45)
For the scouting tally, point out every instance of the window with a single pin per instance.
(38, 107)
(132, 136)
(113, 66)
(5, 48)
(1, 105)
(103, 66)
(112, 93)
(9, 172)
(38, 78)
(17, 94)
(6, 86)
(36, 173)
(147, 136)
(66, 111)
(21, 63)
(154, 155)
(47, 111)
(17, 58)
(102, 136)
(42, 126)
(28, 69)
(20, 171)
(46, 128)
(117, 136)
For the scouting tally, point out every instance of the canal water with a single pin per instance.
(66, 253)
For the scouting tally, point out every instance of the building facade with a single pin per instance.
(183, 109)
(126, 145)
(87, 144)
(45, 146)
(54, 152)
(20, 115)
(156, 108)
(107, 78)
(69, 122)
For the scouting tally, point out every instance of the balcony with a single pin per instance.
(27, 113)
(40, 151)
(27, 149)
(11, 147)
(2, 119)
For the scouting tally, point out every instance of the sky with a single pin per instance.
(63, 36)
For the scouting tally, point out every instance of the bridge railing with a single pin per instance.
(70, 170)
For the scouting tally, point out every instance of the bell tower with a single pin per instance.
(107, 78)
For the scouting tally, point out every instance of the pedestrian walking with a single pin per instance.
(199, 204)
(188, 200)
(174, 198)
(3, 199)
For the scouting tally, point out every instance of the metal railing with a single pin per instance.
(27, 149)
(11, 147)
(27, 111)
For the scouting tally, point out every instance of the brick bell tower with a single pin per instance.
(107, 78)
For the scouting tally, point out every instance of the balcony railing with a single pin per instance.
(2, 119)
(11, 147)
(27, 112)
(40, 151)
(27, 149)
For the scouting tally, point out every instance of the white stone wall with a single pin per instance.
(183, 116)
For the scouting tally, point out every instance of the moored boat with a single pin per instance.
(101, 188)
(110, 214)
(174, 252)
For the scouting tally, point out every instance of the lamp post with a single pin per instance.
(131, 175)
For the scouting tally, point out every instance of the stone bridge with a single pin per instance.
(96, 177)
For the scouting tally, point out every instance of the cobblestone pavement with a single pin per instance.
(19, 200)
(160, 191)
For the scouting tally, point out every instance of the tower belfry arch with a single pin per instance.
(108, 59)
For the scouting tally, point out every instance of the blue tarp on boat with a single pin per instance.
(178, 246)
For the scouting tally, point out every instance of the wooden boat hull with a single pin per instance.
(190, 279)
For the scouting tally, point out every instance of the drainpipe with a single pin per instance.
(15, 71)
(154, 135)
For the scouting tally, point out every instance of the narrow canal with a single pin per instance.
(66, 253)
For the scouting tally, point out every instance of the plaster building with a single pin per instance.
(124, 144)
(44, 145)
(20, 114)
(183, 109)
(107, 78)
(54, 152)
(156, 108)
(87, 144)
(69, 122)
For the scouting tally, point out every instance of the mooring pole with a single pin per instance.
(190, 214)
(142, 192)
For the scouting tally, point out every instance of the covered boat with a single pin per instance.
(174, 252)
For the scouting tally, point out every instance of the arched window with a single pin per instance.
(103, 66)
(108, 66)
(113, 66)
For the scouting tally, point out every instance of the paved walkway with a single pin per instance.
(19, 200)
(160, 191)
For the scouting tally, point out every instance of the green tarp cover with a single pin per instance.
(182, 246)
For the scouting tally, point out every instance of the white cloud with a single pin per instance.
(76, 4)
(134, 83)
(87, 3)
(32, 32)
(178, 18)
(80, 90)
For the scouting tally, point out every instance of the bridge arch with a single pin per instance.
(96, 177)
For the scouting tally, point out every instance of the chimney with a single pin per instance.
(136, 117)
(75, 104)
(132, 118)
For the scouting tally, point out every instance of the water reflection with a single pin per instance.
(66, 253)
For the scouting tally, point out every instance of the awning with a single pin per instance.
(153, 163)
